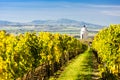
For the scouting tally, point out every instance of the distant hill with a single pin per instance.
(5, 22)
(9, 23)
(64, 22)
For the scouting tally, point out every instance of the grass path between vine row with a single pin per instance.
(83, 67)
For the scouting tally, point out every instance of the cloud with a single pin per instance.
(111, 13)
(104, 6)
(111, 10)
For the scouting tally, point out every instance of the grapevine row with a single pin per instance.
(107, 45)
(25, 52)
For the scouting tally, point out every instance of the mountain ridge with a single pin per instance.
(62, 21)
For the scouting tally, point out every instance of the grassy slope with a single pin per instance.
(81, 68)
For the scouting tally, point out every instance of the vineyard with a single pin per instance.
(35, 56)
(38, 56)
(107, 45)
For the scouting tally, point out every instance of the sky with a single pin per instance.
(102, 12)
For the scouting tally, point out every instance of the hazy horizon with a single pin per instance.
(102, 12)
